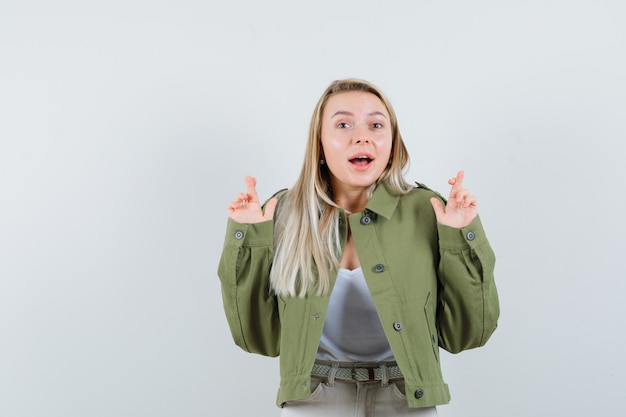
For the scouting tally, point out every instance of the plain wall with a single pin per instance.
(126, 127)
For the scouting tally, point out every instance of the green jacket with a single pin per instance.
(432, 285)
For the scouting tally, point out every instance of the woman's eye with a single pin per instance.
(342, 125)
(377, 125)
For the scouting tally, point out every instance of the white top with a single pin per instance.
(352, 330)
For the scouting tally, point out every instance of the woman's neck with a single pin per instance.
(352, 204)
(353, 199)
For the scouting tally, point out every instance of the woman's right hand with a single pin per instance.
(247, 208)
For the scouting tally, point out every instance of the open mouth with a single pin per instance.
(361, 160)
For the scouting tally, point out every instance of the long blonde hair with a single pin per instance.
(306, 232)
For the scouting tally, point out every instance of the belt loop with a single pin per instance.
(384, 375)
(331, 374)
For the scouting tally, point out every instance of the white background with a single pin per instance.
(127, 126)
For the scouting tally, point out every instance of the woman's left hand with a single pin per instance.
(461, 208)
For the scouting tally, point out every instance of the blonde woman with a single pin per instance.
(354, 276)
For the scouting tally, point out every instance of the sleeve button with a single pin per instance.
(470, 236)
(238, 235)
(419, 393)
(397, 326)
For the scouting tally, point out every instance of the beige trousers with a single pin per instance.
(354, 399)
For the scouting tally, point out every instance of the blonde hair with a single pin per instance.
(306, 232)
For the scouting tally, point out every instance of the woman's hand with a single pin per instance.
(247, 208)
(461, 208)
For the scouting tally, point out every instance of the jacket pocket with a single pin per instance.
(429, 312)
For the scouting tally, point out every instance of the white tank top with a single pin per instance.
(352, 330)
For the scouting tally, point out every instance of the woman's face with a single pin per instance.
(356, 139)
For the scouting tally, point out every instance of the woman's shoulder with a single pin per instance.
(422, 191)
(280, 193)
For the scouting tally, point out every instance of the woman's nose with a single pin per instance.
(360, 136)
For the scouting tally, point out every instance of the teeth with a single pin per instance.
(361, 157)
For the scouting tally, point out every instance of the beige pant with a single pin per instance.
(354, 399)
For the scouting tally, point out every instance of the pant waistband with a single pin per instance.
(357, 371)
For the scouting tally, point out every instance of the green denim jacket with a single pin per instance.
(432, 286)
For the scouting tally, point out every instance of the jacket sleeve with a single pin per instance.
(468, 306)
(250, 307)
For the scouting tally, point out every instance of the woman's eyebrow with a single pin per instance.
(377, 113)
(342, 113)
(347, 113)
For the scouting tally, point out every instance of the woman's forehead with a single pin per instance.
(354, 102)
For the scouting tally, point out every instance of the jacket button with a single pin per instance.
(238, 235)
(379, 268)
(365, 220)
(419, 393)
(470, 236)
(397, 326)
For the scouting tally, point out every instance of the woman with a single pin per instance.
(354, 276)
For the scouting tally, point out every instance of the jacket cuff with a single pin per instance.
(249, 234)
(470, 236)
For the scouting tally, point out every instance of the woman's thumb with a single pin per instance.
(270, 207)
(437, 206)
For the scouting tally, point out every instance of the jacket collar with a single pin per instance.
(383, 201)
